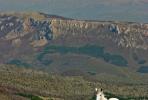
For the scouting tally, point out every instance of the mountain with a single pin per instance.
(53, 57)
(70, 47)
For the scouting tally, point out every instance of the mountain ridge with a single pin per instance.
(56, 44)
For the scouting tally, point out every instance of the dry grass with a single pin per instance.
(15, 80)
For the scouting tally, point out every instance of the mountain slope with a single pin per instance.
(74, 47)
(29, 84)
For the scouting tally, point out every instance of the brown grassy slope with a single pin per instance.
(27, 81)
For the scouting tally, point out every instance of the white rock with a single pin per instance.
(118, 30)
(9, 18)
(2, 27)
(17, 20)
(11, 24)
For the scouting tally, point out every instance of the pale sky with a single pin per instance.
(122, 10)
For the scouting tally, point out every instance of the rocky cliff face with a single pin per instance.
(25, 36)
(129, 35)
(125, 34)
(15, 28)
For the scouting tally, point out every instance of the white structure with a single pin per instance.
(100, 95)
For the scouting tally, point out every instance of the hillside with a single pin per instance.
(26, 36)
(29, 84)
(92, 51)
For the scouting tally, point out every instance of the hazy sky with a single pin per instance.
(125, 10)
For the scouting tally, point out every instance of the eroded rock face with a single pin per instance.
(41, 40)
(16, 28)
(130, 35)
(9, 24)
(41, 32)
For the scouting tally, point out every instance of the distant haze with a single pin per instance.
(120, 10)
